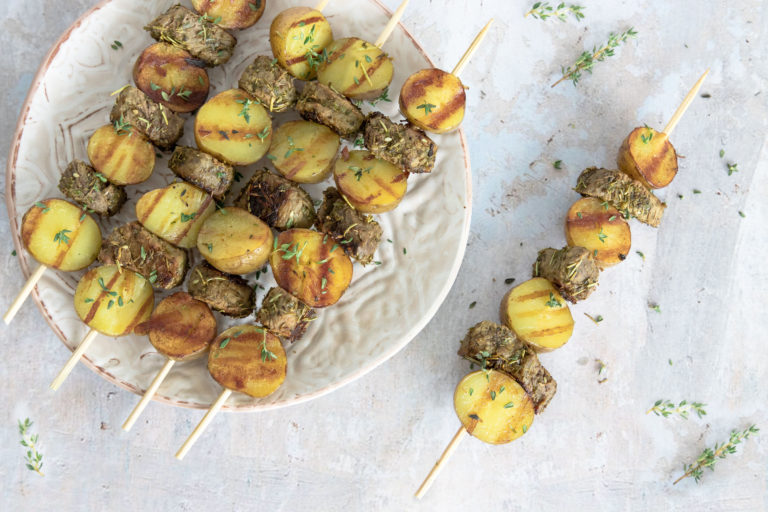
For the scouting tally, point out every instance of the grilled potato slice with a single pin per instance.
(113, 301)
(493, 407)
(647, 156)
(234, 128)
(175, 213)
(599, 228)
(356, 68)
(433, 100)
(124, 158)
(248, 359)
(370, 185)
(310, 266)
(234, 241)
(170, 76)
(231, 14)
(60, 235)
(537, 314)
(303, 151)
(298, 37)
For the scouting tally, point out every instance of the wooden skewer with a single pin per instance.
(200, 428)
(468, 54)
(684, 105)
(148, 394)
(427, 483)
(74, 358)
(321, 5)
(391, 24)
(23, 294)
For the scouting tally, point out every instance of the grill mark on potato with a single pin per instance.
(560, 311)
(156, 198)
(417, 89)
(371, 70)
(31, 221)
(203, 206)
(444, 112)
(63, 249)
(590, 219)
(97, 301)
(149, 303)
(550, 331)
(530, 296)
(307, 21)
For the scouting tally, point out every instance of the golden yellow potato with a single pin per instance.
(231, 14)
(298, 37)
(234, 128)
(248, 359)
(60, 235)
(113, 301)
(433, 100)
(537, 314)
(311, 266)
(370, 185)
(234, 241)
(493, 407)
(599, 228)
(303, 151)
(356, 68)
(647, 156)
(124, 158)
(175, 213)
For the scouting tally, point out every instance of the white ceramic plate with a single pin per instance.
(386, 305)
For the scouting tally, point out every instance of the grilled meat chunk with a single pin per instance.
(357, 233)
(227, 293)
(399, 144)
(628, 196)
(197, 34)
(494, 346)
(161, 126)
(269, 83)
(572, 270)
(284, 314)
(321, 104)
(201, 169)
(277, 201)
(133, 247)
(81, 183)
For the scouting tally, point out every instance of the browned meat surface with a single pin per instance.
(356, 232)
(571, 269)
(269, 83)
(90, 189)
(284, 314)
(226, 293)
(134, 110)
(277, 201)
(399, 144)
(201, 169)
(321, 104)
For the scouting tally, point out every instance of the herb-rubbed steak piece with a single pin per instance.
(321, 104)
(134, 110)
(358, 234)
(90, 189)
(571, 269)
(284, 314)
(133, 247)
(269, 83)
(197, 34)
(201, 169)
(628, 196)
(399, 144)
(495, 346)
(277, 201)
(226, 293)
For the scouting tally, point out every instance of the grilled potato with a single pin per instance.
(298, 37)
(433, 100)
(113, 301)
(124, 158)
(231, 14)
(233, 127)
(234, 241)
(175, 213)
(310, 266)
(60, 235)
(599, 228)
(356, 68)
(493, 407)
(170, 76)
(181, 328)
(647, 156)
(303, 151)
(370, 185)
(537, 314)
(248, 359)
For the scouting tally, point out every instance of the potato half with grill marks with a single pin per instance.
(231, 14)
(647, 156)
(248, 359)
(123, 157)
(370, 185)
(599, 228)
(537, 314)
(298, 36)
(433, 100)
(356, 68)
(303, 151)
(234, 241)
(493, 407)
(175, 213)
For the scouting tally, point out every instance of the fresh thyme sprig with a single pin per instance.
(33, 458)
(667, 408)
(542, 11)
(709, 456)
(587, 60)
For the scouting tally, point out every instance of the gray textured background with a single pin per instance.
(367, 446)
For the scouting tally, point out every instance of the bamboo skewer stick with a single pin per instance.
(427, 483)
(200, 428)
(321, 5)
(148, 394)
(23, 294)
(73, 359)
(391, 25)
(684, 105)
(471, 50)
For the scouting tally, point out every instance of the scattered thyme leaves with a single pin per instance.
(587, 60)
